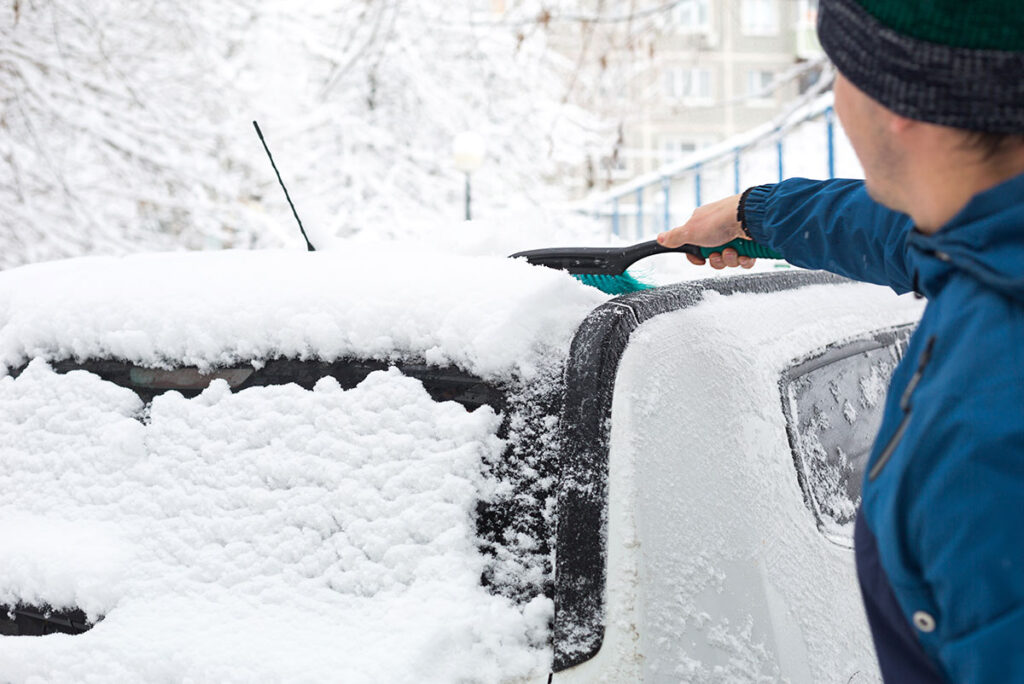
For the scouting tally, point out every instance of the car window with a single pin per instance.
(442, 383)
(833, 403)
(524, 475)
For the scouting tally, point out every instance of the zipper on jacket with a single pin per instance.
(894, 441)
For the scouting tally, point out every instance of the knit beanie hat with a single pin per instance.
(956, 63)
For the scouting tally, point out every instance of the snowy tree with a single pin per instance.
(368, 128)
(111, 132)
(126, 126)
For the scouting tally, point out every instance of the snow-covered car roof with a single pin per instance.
(490, 316)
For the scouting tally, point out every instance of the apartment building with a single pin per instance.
(708, 70)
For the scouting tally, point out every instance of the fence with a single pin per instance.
(807, 142)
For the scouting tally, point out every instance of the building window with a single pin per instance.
(807, 45)
(614, 163)
(688, 83)
(759, 83)
(808, 12)
(760, 17)
(674, 149)
(693, 16)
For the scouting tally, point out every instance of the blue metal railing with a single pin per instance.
(779, 154)
(666, 189)
(609, 204)
(639, 211)
(735, 171)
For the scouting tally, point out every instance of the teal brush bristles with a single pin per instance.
(612, 284)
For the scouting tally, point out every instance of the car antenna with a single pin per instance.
(309, 245)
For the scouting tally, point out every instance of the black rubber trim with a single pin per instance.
(22, 620)
(585, 425)
(447, 383)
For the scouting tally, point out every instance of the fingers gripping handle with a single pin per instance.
(747, 248)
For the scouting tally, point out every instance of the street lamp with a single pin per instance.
(468, 150)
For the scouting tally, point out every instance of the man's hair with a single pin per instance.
(991, 145)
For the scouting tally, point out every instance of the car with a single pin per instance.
(280, 465)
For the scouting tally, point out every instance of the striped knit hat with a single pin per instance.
(957, 63)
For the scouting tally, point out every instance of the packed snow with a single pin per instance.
(710, 542)
(274, 534)
(491, 316)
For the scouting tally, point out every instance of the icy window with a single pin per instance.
(833, 402)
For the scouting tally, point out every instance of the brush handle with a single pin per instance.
(614, 261)
(747, 248)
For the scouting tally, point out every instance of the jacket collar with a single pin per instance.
(984, 241)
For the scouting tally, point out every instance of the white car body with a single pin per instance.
(718, 566)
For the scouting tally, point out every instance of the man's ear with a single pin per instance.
(900, 125)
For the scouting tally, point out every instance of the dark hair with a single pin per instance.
(991, 145)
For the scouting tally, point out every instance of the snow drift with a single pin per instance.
(276, 534)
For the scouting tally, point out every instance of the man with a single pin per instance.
(931, 94)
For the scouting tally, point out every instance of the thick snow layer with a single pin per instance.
(717, 570)
(274, 534)
(491, 316)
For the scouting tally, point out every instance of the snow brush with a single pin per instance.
(605, 267)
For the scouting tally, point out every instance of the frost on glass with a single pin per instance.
(834, 402)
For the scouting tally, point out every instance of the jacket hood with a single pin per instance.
(985, 240)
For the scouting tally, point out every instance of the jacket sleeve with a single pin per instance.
(832, 225)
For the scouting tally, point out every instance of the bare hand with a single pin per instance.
(711, 225)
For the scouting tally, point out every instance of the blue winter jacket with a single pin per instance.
(940, 535)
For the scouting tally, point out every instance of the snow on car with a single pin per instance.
(271, 466)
